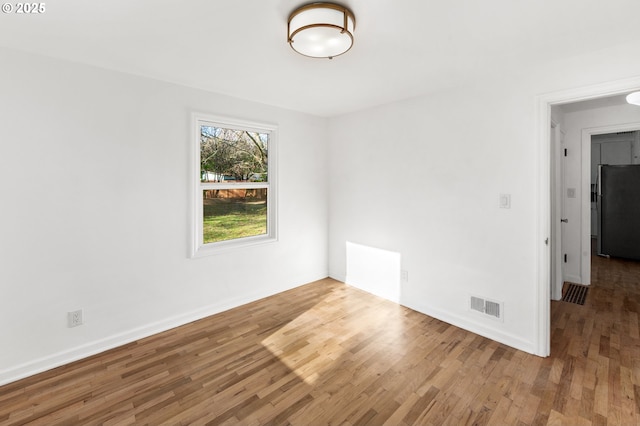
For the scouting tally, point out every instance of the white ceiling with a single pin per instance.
(402, 48)
(605, 102)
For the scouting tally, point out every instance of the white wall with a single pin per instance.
(423, 177)
(88, 222)
(574, 123)
(94, 178)
(425, 181)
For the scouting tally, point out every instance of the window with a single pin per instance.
(234, 181)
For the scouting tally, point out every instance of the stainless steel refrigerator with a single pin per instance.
(619, 211)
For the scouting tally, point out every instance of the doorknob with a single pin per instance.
(564, 220)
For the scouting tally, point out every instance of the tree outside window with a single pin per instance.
(235, 201)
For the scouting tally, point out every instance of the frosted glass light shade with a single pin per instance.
(321, 30)
(634, 98)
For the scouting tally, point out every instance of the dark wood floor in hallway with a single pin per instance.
(326, 353)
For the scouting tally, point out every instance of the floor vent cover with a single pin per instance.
(575, 294)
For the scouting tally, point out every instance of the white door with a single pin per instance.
(557, 183)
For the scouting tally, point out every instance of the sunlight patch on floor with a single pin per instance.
(314, 348)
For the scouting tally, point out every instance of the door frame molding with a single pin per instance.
(544, 213)
(557, 209)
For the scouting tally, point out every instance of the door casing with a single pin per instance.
(544, 213)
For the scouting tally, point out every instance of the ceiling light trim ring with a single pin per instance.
(311, 23)
(323, 5)
(306, 27)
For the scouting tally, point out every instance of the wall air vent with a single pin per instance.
(492, 308)
(477, 304)
(489, 308)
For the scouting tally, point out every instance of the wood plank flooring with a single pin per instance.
(326, 353)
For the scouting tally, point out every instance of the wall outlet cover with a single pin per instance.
(74, 318)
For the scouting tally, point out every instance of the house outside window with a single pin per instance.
(234, 184)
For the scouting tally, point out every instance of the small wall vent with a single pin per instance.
(477, 304)
(490, 308)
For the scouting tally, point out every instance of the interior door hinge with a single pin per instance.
(565, 152)
(565, 258)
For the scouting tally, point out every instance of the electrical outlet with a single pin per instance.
(404, 275)
(74, 318)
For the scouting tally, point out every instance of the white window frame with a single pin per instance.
(198, 247)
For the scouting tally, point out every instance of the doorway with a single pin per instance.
(547, 210)
(610, 145)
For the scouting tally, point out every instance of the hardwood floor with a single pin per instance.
(326, 353)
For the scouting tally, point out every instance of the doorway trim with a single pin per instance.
(557, 209)
(543, 225)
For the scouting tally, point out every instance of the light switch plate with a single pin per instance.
(505, 201)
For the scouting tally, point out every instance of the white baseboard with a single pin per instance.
(74, 354)
(481, 329)
(575, 279)
(341, 278)
(92, 348)
(468, 324)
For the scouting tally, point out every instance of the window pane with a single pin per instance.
(230, 155)
(233, 213)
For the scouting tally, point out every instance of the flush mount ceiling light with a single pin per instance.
(321, 30)
(634, 98)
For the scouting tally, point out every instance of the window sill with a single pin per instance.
(231, 245)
